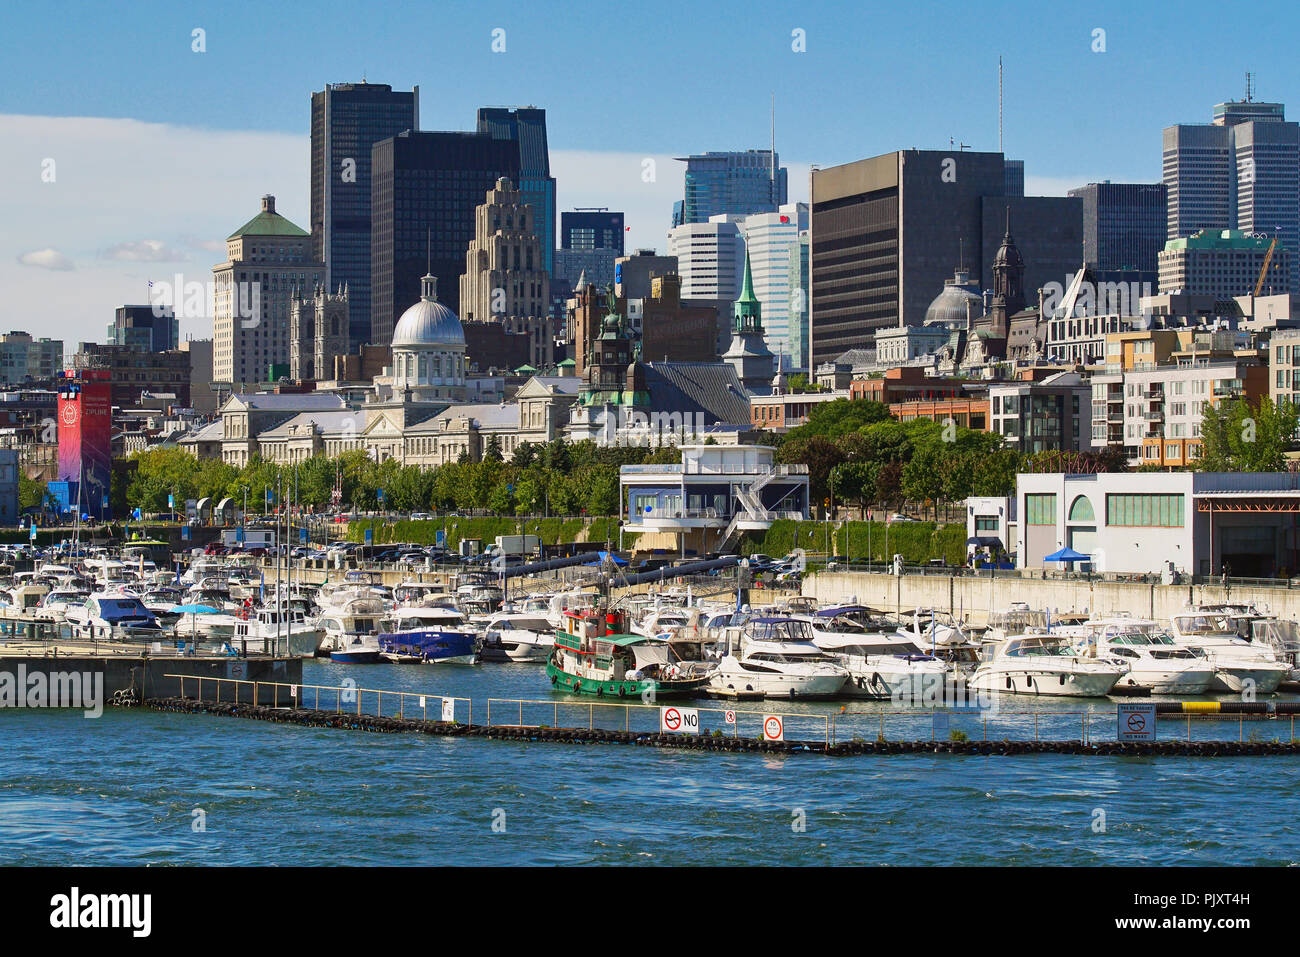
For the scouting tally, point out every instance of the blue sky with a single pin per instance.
(618, 81)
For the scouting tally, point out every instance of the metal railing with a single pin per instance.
(296, 694)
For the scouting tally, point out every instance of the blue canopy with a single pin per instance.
(1067, 554)
(194, 610)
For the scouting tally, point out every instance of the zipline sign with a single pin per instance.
(679, 720)
(1135, 722)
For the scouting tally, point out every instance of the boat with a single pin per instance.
(358, 616)
(274, 631)
(355, 649)
(113, 617)
(521, 636)
(881, 664)
(1154, 660)
(1043, 664)
(595, 654)
(429, 635)
(1239, 665)
(777, 658)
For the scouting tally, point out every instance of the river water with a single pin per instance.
(134, 786)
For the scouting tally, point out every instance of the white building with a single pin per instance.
(710, 257)
(768, 239)
(1136, 522)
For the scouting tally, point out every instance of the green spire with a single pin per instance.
(749, 311)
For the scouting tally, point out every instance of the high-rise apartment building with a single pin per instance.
(525, 126)
(347, 119)
(1223, 263)
(425, 188)
(268, 261)
(1241, 171)
(886, 233)
(736, 184)
(798, 319)
(710, 257)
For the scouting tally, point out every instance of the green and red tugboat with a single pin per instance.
(594, 654)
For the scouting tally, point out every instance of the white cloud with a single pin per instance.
(46, 259)
(144, 251)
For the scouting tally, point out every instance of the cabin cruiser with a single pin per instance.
(427, 635)
(356, 649)
(880, 663)
(54, 606)
(594, 654)
(114, 617)
(1043, 664)
(358, 617)
(1239, 665)
(278, 631)
(26, 593)
(776, 657)
(521, 636)
(1154, 659)
(417, 593)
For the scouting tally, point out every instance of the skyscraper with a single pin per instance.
(268, 260)
(886, 233)
(347, 119)
(1123, 226)
(1241, 171)
(142, 328)
(525, 126)
(768, 238)
(710, 257)
(425, 187)
(592, 229)
(734, 184)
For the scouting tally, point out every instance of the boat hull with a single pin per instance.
(625, 688)
(431, 647)
(1055, 684)
(356, 657)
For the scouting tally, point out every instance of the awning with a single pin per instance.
(650, 655)
(1067, 554)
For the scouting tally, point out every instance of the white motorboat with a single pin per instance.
(357, 649)
(1155, 661)
(113, 617)
(880, 663)
(1239, 666)
(1043, 665)
(357, 617)
(522, 636)
(776, 657)
(277, 631)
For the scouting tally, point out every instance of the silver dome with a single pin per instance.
(428, 322)
(948, 309)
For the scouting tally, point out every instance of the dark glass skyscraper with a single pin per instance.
(140, 328)
(1123, 225)
(738, 183)
(526, 127)
(347, 119)
(592, 229)
(425, 188)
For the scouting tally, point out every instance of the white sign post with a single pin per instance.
(773, 728)
(448, 709)
(679, 720)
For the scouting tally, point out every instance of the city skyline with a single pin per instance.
(169, 183)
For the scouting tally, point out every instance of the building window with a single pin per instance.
(1081, 510)
(1145, 509)
(1041, 509)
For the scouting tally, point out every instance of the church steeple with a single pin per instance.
(748, 311)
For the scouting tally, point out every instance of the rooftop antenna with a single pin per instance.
(428, 250)
(774, 144)
(999, 104)
(1249, 77)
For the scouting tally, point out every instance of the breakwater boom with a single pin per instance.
(840, 736)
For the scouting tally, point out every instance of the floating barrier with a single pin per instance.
(351, 721)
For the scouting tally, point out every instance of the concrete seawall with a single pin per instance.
(972, 598)
(145, 676)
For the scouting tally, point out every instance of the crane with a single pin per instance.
(1263, 270)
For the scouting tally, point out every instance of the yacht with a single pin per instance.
(114, 617)
(1236, 662)
(357, 649)
(54, 606)
(1043, 665)
(358, 617)
(430, 635)
(278, 631)
(776, 657)
(1155, 661)
(522, 636)
(880, 663)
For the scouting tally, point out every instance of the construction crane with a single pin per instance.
(1263, 270)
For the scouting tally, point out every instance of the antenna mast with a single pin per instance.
(999, 104)
(774, 194)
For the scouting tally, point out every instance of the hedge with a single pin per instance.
(917, 542)
(552, 531)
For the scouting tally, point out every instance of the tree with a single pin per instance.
(820, 454)
(1237, 437)
(493, 451)
(833, 419)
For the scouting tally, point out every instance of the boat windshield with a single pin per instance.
(1283, 635)
(1036, 647)
(1204, 625)
(779, 629)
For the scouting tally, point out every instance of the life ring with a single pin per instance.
(555, 679)
(577, 684)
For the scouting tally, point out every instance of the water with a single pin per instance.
(123, 789)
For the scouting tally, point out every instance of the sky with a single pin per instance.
(129, 156)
